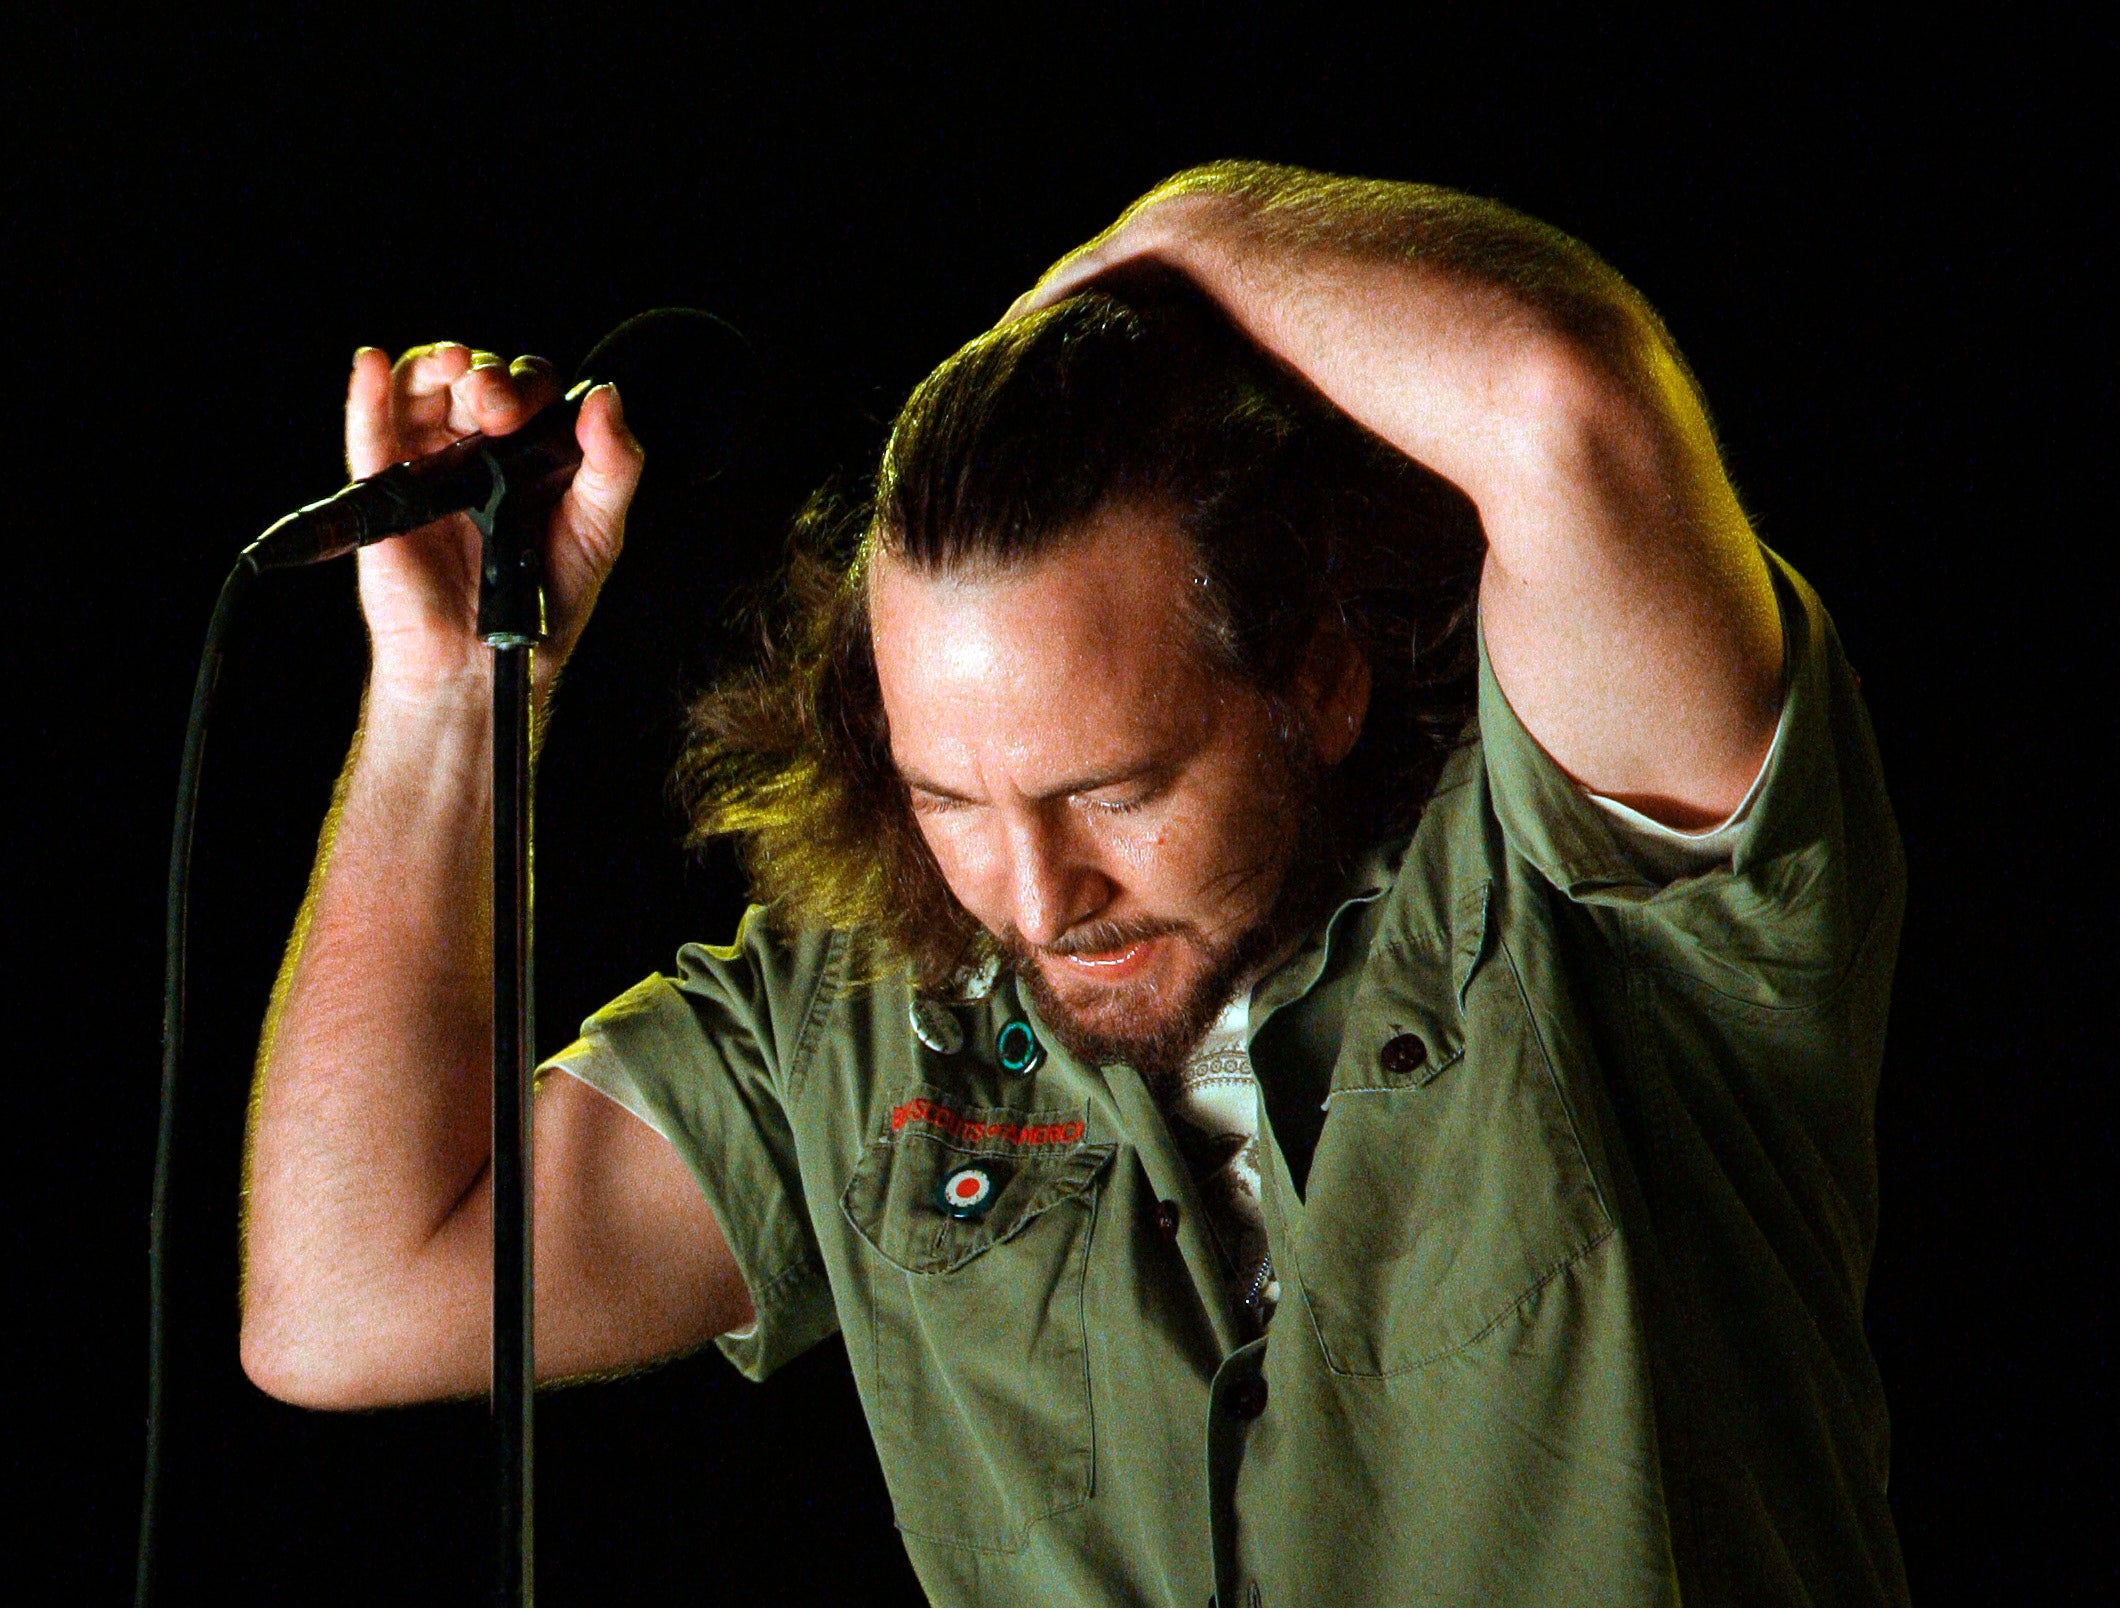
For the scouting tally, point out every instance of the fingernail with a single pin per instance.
(618, 406)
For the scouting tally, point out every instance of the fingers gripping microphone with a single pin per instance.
(693, 391)
(691, 387)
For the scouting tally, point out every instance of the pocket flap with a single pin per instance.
(1422, 989)
(1032, 1162)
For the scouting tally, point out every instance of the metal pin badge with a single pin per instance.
(974, 983)
(966, 1193)
(1019, 1049)
(936, 1025)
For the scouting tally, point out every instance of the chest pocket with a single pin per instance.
(1448, 1184)
(980, 1400)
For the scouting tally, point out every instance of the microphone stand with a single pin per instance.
(511, 621)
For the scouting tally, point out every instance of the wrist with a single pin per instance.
(424, 749)
(1209, 235)
(417, 703)
(428, 673)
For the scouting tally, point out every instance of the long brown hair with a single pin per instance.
(1138, 392)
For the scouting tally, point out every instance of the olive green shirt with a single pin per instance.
(1569, 1179)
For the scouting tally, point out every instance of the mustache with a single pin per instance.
(1099, 937)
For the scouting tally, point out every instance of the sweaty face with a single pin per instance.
(1121, 815)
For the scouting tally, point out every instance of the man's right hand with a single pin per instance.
(368, 1257)
(420, 591)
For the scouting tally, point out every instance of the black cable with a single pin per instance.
(176, 922)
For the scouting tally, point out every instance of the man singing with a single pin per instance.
(1324, 913)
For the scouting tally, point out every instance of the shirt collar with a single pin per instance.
(1369, 878)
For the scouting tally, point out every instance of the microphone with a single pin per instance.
(692, 387)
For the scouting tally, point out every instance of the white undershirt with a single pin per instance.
(1666, 853)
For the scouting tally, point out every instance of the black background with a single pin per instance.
(1874, 244)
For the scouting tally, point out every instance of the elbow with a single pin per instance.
(351, 1347)
(1560, 392)
(295, 1358)
(278, 1355)
(1618, 395)
(273, 1366)
(277, 1359)
(1616, 429)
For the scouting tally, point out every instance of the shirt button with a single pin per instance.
(1167, 1219)
(1402, 1056)
(1247, 1397)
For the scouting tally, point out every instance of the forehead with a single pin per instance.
(1085, 654)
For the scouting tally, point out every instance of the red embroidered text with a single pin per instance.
(930, 1115)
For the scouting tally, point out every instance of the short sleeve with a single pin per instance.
(1812, 865)
(703, 1058)
(1666, 853)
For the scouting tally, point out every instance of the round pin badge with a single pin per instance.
(1018, 1048)
(974, 983)
(936, 1025)
(966, 1192)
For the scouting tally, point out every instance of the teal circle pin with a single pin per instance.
(1019, 1048)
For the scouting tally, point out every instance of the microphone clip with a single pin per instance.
(511, 591)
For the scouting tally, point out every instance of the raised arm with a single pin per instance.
(367, 1250)
(1627, 608)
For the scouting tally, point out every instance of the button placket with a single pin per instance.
(1247, 1398)
(1235, 1402)
(1172, 1183)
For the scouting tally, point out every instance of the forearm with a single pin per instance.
(369, 1118)
(1477, 340)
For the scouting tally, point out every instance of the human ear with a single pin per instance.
(1333, 688)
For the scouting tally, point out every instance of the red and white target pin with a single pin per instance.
(967, 1192)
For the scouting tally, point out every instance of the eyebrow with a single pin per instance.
(1084, 784)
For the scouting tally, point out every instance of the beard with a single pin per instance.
(1153, 1026)
(1148, 1027)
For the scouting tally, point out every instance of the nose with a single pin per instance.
(1054, 884)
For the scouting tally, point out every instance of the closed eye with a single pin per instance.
(1144, 792)
(926, 803)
